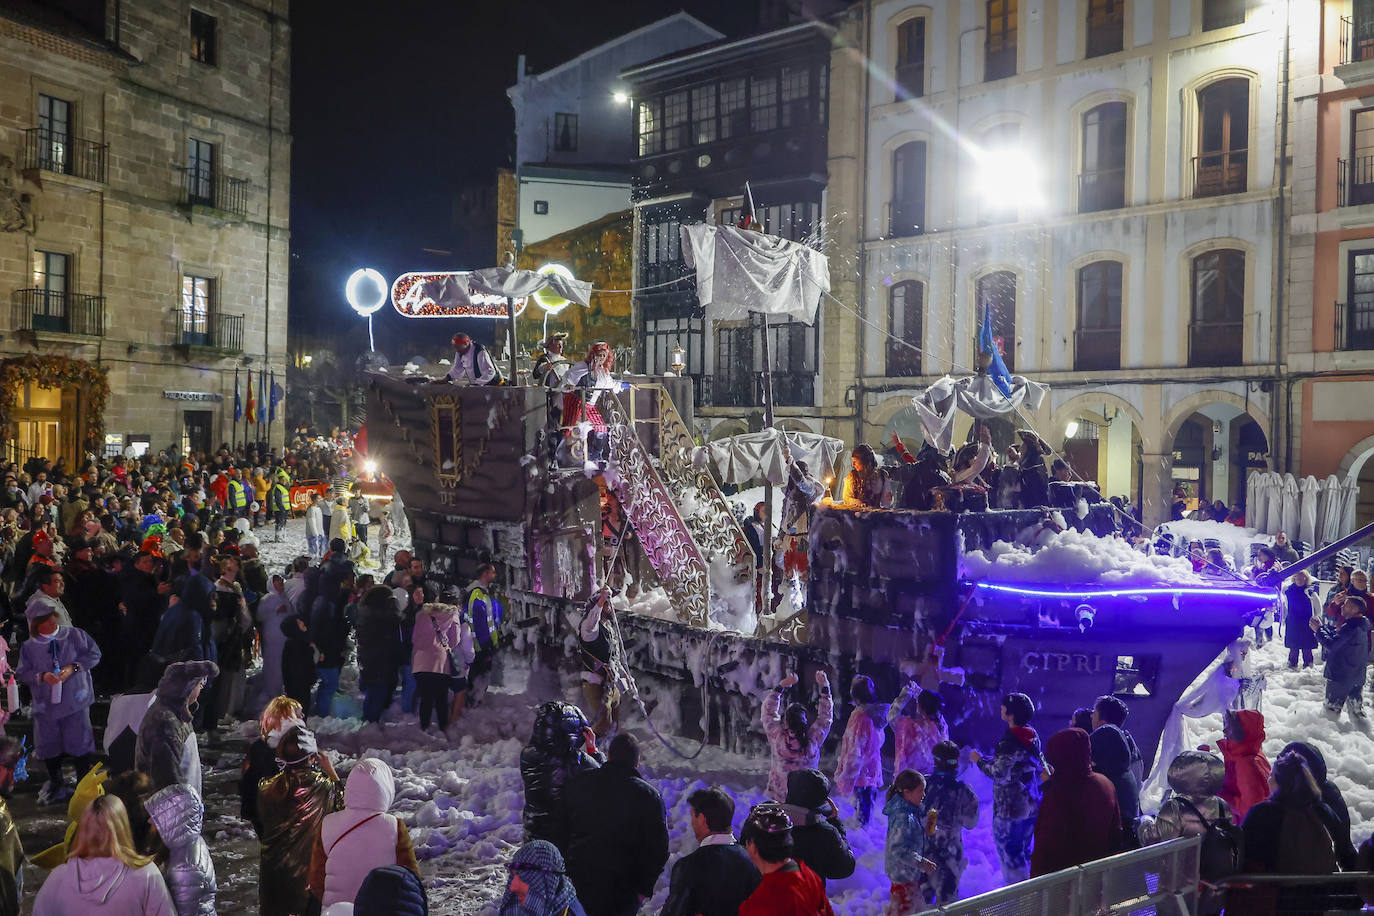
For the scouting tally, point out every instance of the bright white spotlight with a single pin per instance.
(1008, 180)
(370, 466)
(1071, 430)
(620, 97)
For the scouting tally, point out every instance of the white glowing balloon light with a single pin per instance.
(547, 298)
(366, 292)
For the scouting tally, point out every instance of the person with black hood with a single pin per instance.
(1014, 769)
(561, 746)
(1331, 797)
(167, 751)
(379, 650)
(145, 599)
(1292, 833)
(1079, 819)
(330, 626)
(617, 835)
(716, 877)
(818, 836)
(1111, 757)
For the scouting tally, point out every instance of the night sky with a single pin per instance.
(396, 109)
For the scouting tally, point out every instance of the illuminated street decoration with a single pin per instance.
(447, 294)
(1085, 593)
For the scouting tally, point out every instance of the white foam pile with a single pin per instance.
(1235, 541)
(1077, 558)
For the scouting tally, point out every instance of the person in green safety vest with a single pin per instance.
(484, 614)
(237, 496)
(279, 506)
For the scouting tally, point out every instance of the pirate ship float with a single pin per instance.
(475, 468)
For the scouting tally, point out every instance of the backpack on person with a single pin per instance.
(1223, 845)
(1305, 843)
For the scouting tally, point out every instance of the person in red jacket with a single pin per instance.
(1247, 769)
(1079, 820)
(788, 887)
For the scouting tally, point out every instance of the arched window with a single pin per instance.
(1102, 184)
(996, 292)
(1223, 130)
(908, 207)
(1216, 334)
(911, 58)
(1097, 339)
(905, 306)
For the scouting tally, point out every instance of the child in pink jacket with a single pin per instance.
(917, 726)
(860, 762)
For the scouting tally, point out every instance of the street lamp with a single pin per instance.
(679, 359)
(366, 292)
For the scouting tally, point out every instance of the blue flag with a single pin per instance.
(275, 397)
(987, 345)
(238, 399)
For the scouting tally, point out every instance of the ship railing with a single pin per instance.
(1161, 879)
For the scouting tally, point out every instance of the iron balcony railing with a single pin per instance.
(214, 330)
(1102, 189)
(54, 151)
(1355, 323)
(999, 60)
(201, 187)
(1216, 343)
(905, 218)
(1355, 181)
(58, 311)
(1096, 348)
(911, 80)
(1221, 172)
(1357, 39)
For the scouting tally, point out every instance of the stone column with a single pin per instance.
(1154, 487)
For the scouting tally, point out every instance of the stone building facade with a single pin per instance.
(1104, 179)
(1328, 396)
(144, 221)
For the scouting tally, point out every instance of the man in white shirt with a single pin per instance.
(472, 364)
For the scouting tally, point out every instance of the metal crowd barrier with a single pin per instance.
(1305, 894)
(1159, 880)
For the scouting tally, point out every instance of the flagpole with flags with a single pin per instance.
(238, 412)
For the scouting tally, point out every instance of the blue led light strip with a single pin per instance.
(1086, 593)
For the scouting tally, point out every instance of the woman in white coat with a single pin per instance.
(361, 837)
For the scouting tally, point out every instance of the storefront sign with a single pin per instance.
(192, 396)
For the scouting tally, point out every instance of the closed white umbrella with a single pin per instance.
(1350, 493)
(1251, 494)
(1289, 518)
(1331, 509)
(1273, 517)
(1311, 500)
(1258, 507)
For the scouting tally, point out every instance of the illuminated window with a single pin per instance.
(650, 128)
(1000, 51)
(202, 37)
(911, 58)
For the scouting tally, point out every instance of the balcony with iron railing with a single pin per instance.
(62, 154)
(1357, 39)
(1355, 323)
(791, 388)
(999, 57)
(213, 331)
(58, 312)
(911, 80)
(1355, 181)
(905, 218)
(1101, 189)
(212, 189)
(1096, 348)
(1221, 172)
(1216, 343)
